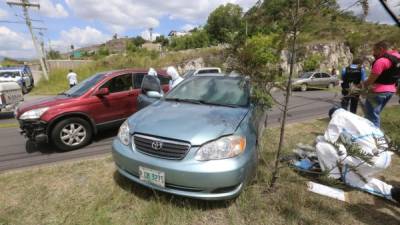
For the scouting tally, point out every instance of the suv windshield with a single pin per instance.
(82, 87)
(9, 73)
(223, 91)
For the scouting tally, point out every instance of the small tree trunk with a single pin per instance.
(275, 173)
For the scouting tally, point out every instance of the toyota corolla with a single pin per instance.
(198, 141)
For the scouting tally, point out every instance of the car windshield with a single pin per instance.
(306, 75)
(82, 87)
(222, 91)
(188, 73)
(9, 73)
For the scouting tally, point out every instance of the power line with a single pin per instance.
(25, 4)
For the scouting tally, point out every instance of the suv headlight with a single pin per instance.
(33, 114)
(123, 133)
(226, 147)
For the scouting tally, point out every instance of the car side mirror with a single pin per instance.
(154, 94)
(102, 92)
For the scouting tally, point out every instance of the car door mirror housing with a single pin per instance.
(102, 92)
(154, 94)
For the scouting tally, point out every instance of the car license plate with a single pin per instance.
(152, 176)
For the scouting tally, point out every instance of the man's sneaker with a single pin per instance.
(395, 192)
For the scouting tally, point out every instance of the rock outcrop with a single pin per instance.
(333, 55)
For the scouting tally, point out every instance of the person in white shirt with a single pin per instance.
(72, 78)
(176, 79)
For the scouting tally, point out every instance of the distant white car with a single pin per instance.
(10, 96)
(203, 70)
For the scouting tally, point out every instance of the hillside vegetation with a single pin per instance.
(139, 59)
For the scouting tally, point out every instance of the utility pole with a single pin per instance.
(25, 4)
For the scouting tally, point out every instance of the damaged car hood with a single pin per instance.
(188, 122)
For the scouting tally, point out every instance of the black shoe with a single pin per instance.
(395, 192)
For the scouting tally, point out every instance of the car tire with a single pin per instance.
(71, 133)
(24, 90)
(331, 86)
(303, 87)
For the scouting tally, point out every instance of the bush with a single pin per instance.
(198, 39)
(312, 62)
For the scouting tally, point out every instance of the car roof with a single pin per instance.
(218, 75)
(12, 68)
(209, 68)
(132, 70)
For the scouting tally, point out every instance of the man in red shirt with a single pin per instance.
(382, 81)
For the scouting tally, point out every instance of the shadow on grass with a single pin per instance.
(148, 194)
(374, 214)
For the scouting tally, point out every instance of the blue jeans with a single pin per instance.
(375, 104)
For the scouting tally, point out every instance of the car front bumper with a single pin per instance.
(34, 130)
(207, 180)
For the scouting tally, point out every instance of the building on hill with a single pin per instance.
(175, 33)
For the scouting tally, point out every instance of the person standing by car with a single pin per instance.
(352, 75)
(176, 79)
(72, 78)
(382, 81)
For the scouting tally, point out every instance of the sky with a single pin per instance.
(87, 22)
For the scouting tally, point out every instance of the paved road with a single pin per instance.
(15, 152)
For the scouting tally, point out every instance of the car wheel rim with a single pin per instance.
(73, 134)
(303, 87)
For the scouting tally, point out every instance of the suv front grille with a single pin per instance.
(159, 147)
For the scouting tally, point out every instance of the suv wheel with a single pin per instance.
(303, 87)
(71, 133)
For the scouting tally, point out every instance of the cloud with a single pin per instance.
(15, 45)
(79, 37)
(3, 14)
(52, 10)
(145, 14)
(188, 27)
(146, 35)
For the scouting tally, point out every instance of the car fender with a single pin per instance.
(62, 116)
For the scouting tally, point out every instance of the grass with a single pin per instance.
(8, 125)
(92, 192)
(142, 59)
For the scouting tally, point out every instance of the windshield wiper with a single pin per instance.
(194, 101)
(220, 104)
(63, 93)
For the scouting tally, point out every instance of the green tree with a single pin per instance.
(223, 21)
(53, 54)
(198, 39)
(162, 40)
(312, 62)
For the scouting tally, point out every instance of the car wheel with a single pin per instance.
(331, 85)
(71, 133)
(24, 89)
(303, 87)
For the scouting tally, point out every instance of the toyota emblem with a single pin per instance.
(156, 145)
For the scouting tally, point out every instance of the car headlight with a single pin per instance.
(226, 147)
(33, 114)
(123, 133)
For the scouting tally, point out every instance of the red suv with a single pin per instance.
(70, 119)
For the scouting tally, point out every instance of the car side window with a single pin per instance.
(325, 75)
(137, 80)
(164, 79)
(207, 71)
(317, 75)
(119, 84)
